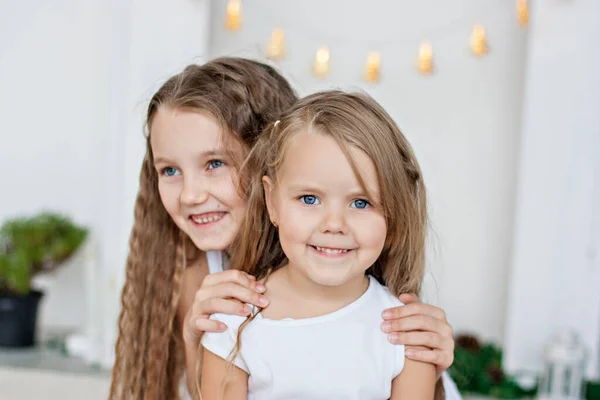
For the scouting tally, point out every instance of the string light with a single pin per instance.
(425, 63)
(234, 15)
(276, 48)
(478, 41)
(522, 12)
(373, 66)
(321, 64)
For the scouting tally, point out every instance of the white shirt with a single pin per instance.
(341, 355)
(217, 263)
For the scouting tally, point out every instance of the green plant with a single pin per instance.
(31, 245)
(477, 369)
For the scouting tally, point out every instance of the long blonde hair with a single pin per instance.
(243, 95)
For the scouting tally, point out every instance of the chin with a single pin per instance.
(211, 244)
(329, 280)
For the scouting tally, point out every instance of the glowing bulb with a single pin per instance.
(276, 48)
(373, 67)
(425, 63)
(522, 12)
(234, 15)
(321, 64)
(478, 41)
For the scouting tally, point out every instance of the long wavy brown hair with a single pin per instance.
(244, 96)
(352, 119)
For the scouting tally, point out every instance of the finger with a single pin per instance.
(219, 305)
(408, 298)
(200, 325)
(194, 328)
(431, 340)
(235, 276)
(439, 358)
(414, 309)
(235, 291)
(418, 322)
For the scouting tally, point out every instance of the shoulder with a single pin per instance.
(222, 344)
(383, 299)
(382, 295)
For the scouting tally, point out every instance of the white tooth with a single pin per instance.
(331, 251)
(205, 220)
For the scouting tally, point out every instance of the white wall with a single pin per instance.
(53, 104)
(464, 121)
(555, 278)
(76, 78)
(162, 38)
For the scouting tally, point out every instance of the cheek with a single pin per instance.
(295, 223)
(169, 196)
(226, 190)
(374, 235)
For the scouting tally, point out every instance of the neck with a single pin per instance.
(330, 296)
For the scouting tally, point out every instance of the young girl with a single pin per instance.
(342, 213)
(201, 123)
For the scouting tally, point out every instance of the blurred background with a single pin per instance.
(500, 99)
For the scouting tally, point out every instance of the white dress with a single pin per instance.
(217, 263)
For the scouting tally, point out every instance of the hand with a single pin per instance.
(418, 324)
(225, 292)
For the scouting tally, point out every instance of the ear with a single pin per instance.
(269, 187)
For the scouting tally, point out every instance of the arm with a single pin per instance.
(417, 381)
(417, 324)
(222, 380)
(202, 295)
(193, 277)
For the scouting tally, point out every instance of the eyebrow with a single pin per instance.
(305, 188)
(204, 154)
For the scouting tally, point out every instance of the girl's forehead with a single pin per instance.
(314, 158)
(188, 137)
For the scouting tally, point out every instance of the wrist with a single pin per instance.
(191, 338)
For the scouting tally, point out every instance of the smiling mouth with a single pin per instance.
(207, 218)
(331, 251)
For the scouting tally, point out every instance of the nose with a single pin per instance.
(334, 221)
(195, 191)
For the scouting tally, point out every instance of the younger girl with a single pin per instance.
(336, 209)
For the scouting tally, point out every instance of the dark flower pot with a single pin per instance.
(18, 318)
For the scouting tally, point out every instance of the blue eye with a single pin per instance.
(360, 204)
(170, 171)
(213, 164)
(309, 200)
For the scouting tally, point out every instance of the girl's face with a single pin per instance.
(197, 179)
(327, 229)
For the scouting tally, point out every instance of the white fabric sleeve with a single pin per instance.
(223, 343)
(400, 356)
(184, 393)
(450, 388)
